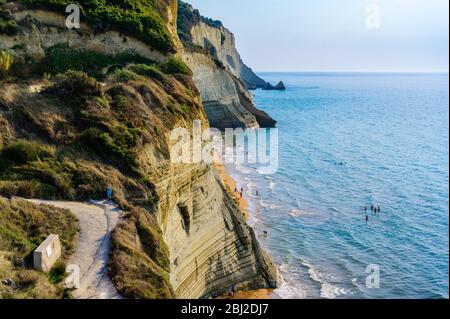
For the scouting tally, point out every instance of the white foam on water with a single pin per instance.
(289, 291)
(272, 185)
(327, 290)
(264, 204)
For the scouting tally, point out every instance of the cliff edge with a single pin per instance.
(219, 72)
(83, 110)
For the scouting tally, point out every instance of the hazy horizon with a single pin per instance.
(382, 36)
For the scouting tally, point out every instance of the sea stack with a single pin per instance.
(279, 87)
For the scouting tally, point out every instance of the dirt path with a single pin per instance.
(97, 220)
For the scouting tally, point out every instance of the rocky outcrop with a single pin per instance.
(220, 42)
(211, 246)
(220, 92)
(217, 40)
(211, 53)
(279, 87)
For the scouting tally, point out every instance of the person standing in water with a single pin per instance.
(367, 219)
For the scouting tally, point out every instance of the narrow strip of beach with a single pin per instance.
(231, 185)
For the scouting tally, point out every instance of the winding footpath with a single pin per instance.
(97, 220)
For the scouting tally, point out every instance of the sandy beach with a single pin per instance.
(231, 185)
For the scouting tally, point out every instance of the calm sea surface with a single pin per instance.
(347, 141)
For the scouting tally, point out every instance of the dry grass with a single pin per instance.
(139, 264)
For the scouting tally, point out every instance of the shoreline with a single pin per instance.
(231, 185)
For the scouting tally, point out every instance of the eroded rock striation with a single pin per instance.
(210, 51)
(108, 123)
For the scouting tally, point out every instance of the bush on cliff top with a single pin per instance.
(74, 84)
(141, 18)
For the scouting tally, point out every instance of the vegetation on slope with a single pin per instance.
(65, 135)
(7, 25)
(23, 226)
(6, 62)
(78, 136)
(61, 58)
(140, 272)
(140, 18)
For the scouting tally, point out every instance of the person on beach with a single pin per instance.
(367, 219)
(233, 291)
(257, 193)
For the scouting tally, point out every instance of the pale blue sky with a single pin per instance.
(331, 35)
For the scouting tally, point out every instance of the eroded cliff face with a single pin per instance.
(46, 29)
(220, 92)
(210, 51)
(211, 246)
(222, 45)
(185, 237)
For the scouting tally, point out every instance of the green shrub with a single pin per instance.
(88, 184)
(22, 152)
(149, 71)
(8, 27)
(61, 58)
(118, 142)
(74, 85)
(57, 273)
(175, 65)
(123, 75)
(6, 62)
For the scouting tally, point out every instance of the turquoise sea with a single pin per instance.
(347, 141)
